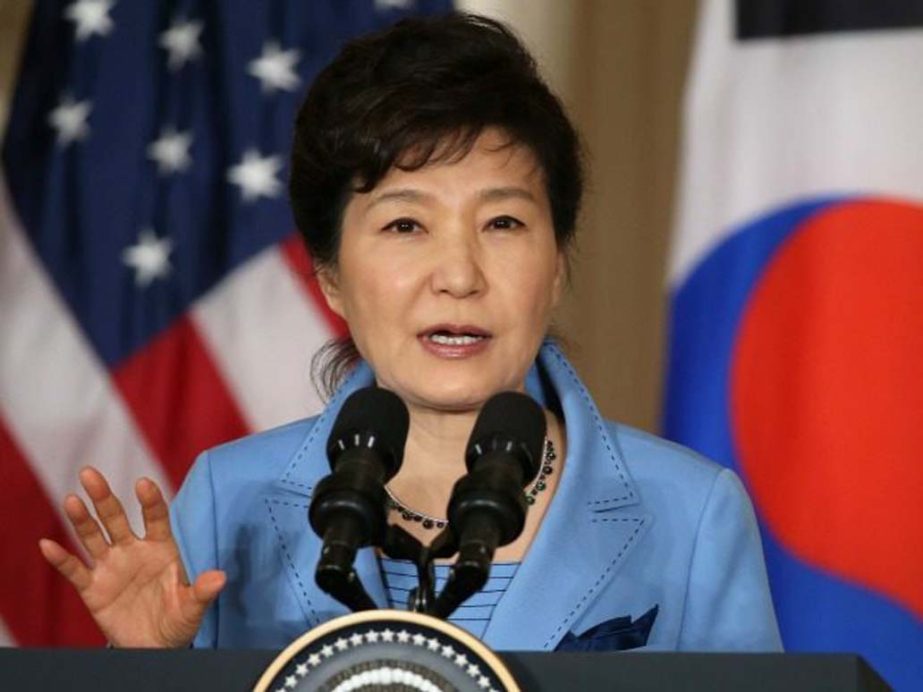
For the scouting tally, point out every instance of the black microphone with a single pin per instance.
(488, 506)
(349, 507)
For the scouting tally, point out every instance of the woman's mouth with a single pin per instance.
(450, 341)
(454, 340)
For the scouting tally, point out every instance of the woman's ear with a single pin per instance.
(329, 284)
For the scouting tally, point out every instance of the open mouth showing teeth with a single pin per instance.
(446, 339)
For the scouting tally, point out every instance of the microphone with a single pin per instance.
(488, 506)
(349, 508)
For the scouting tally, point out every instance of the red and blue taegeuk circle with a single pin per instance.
(796, 358)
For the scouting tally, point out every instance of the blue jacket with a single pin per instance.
(644, 541)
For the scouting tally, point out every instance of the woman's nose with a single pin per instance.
(458, 269)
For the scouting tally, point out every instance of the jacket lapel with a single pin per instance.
(287, 508)
(590, 527)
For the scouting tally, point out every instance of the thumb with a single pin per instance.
(207, 586)
(200, 595)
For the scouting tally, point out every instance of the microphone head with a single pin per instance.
(374, 418)
(511, 422)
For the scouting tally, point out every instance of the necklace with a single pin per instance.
(549, 455)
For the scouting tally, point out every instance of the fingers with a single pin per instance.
(68, 565)
(154, 510)
(108, 508)
(86, 527)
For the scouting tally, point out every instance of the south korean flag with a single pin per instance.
(796, 285)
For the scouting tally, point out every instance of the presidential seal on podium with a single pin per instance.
(386, 650)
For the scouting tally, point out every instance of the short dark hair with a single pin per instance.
(420, 91)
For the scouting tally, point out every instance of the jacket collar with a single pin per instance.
(564, 560)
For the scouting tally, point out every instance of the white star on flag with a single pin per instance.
(90, 17)
(275, 68)
(149, 257)
(291, 681)
(70, 120)
(256, 175)
(171, 151)
(181, 41)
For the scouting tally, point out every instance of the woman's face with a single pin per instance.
(447, 275)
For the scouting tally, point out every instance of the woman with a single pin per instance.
(436, 181)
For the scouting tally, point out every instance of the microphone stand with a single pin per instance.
(466, 577)
(399, 544)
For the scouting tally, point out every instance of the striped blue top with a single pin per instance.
(400, 576)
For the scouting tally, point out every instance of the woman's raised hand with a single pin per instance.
(135, 588)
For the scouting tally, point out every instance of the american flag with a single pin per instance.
(154, 298)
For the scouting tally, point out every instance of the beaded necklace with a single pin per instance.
(549, 455)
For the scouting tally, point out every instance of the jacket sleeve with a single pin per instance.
(728, 605)
(192, 516)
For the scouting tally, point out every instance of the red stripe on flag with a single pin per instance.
(39, 606)
(297, 257)
(178, 398)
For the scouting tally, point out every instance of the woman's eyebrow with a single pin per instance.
(500, 193)
(400, 195)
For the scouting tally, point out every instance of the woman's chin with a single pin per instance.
(454, 385)
(448, 399)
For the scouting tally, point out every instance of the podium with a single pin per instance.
(98, 670)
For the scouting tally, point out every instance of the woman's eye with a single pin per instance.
(505, 223)
(402, 226)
